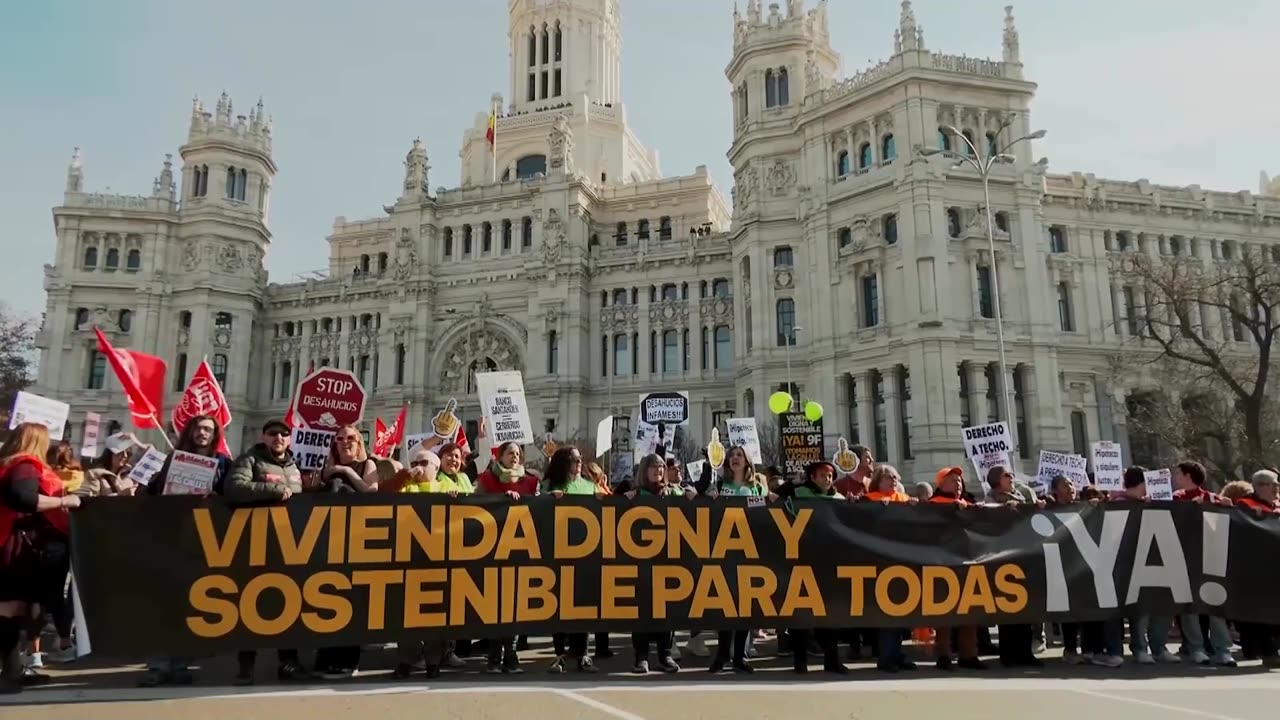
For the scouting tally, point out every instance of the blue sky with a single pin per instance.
(1177, 91)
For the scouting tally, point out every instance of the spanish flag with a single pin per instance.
(492, 129)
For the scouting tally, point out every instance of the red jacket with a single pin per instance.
(1195, 493)
(489, 483)
(1253, 502)
(50, 484)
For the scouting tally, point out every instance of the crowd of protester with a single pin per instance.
(40, 484)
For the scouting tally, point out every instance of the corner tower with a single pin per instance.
(561, 50)
(227, 165)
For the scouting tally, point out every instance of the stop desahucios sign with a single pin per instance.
(329, 398)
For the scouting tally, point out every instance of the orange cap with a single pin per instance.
(944, 472)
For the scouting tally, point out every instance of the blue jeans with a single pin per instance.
(1149, 633)
(1193, 633)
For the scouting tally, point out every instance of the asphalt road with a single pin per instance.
(103, 691)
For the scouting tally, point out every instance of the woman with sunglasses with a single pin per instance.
(564, 477)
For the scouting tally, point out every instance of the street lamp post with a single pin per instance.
(984, 165)
(795, 335)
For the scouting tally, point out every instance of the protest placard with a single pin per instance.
(743, 433)
(310, 447)
(504, 407)
(1053, 464)
(1108, 466)
(1159, 484)
(32, 408)
(147, 466)
(988, 446)
(190, 474)
(92, 431)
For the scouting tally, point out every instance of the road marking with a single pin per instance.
(785, 683)
(600, 705)
(1154, 704)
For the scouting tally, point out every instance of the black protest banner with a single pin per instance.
(187, 576)
(801, 442)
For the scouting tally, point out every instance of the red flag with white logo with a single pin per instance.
(203, 396)
(385, 439)
(142, 377)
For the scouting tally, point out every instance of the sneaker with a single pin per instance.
(668, 665)
(33, 660)
(1200, 657)
(1142, 657)
(336, 673)
(641, 667)
(452, 660)
(402, 671)
(493, 668)
(511, 666)
(586, 666)
(1111, 661)
(742, 666)
(696, 647)
(64, 655)
(1039, 648)
(718, 665)
(292, 672)
(675, 651)
(557, 666)
(1168, 657)
(1224, 659)
(1071, 657)
(31, 678)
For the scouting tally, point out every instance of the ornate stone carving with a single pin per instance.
(485, 350)
(717, 309)
(364, 340)
(669, 314)
(553, 238)
(285, 348)
(230, 259)
(783, 279)
(406, 255)
(184, 337)
(620, 317)
(222, 339)
(551, 315)
(780, 178)
(745, 187)
(400, 328)
(191, 253)
(561, 158)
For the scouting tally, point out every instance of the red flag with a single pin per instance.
(385, 439)
(203, 396)
(142, 376)
(460, 439)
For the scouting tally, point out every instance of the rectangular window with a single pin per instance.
(851, 393)
(786, 322)
(219, 368)
(1131, 311)
(720, 420)
(532, 87)
(180, 372)
(1019, 407)
(1065, 318)
(986, 298)
(557, 88)
(783, 257)
(526, 232)
(1057, 239)
(604, 356)
(97, 371)
(965, 419)
(486, 238)
(706, 348)
(553, 352)
(724, 348)
(669, 292)
(621, 356)
(870, 301)
(466, 240)
(664, 228)
(286, 379)
(904, 409)
(685, 343)
(400, 358)
(1079, 434)
(543, 87)
(879, 417)
(670, 352)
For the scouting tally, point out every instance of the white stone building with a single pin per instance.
(567, 255)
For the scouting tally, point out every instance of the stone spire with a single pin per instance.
(415, 170)
(1011, 53)
(75, 173)
(164, 186)
(753, 12)
(912, 35)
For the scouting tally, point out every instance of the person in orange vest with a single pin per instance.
(885, 487)
(949, 490)
(885, 481)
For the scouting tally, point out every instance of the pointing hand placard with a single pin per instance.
(445, 423)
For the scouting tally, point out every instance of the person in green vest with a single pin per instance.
(565, 477)
(451, 468)
(819, 482)
(653, 480)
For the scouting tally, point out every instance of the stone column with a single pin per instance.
(863, 392)
(842, 409)
(977, 392)
(874, 141)
(1034, 439)
(640, 358)
(848, 147)
(893, 414)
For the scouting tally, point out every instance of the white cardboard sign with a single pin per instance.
(504, 407)
(743, 433)
(92, 434)
(32, 408)
(1108, 466)
(987, 446)
(1053, 464)
(310, 447)
(190, 474)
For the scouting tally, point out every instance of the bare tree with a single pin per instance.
(1210, 326)
(770, 434)
(17, 357)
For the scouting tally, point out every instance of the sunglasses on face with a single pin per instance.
(420, 463)
(277, 433)
(347, 440)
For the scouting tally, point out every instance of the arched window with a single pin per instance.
(113, 258)
(231, 183)
(559, 39)
(968, 135)
(466, 240)
(531, 165)
(724, 348)
(486, 237)
(82, 317)
(784, 87)
(125, 321)
(844, 237)
(90, 258)
(533, 46)
(864, 156)
(1002, 221)
(219, 367)
(242, 183)
(842, 163)
(890, 228)
(526, 232)
(448, 242)
(888, 148)
(642, 230)
(944, 140)
(770, 89)
(382, 262)
(786, 317)
(184, 319)
(133, 261)
(546, 45)
(203, 188)
(992, 148)
(620, 236)
(953, 222)
(364, 264)
(506, 235)
(664, 228)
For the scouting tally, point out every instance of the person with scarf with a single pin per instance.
(949, 491)
(506, 476)
(34, 531)
(424, 476)
(201, 436)
(738, 479)
(1017, 641)
(564, 477)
